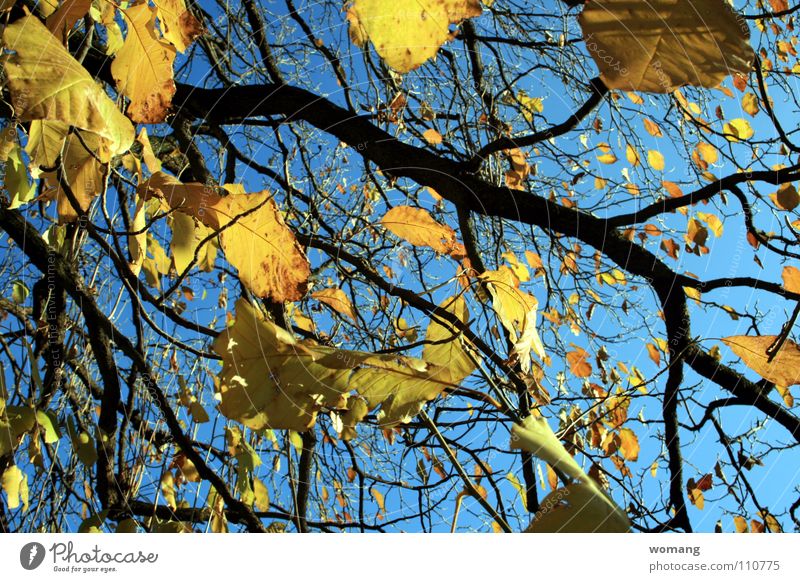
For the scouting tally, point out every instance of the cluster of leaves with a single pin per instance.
(540, 265)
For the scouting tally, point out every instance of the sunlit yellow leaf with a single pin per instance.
(656, 160)
(255, 237)
(432, 136)
(47, 83)
(180, 27)
(406, 33)
(738, 129)
(271, 380)
(142, 68)
(337, 300)
(418, 227)
(447, 346)
(629, 444)
(15, 486)
(750, 104)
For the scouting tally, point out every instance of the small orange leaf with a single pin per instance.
(578, 364)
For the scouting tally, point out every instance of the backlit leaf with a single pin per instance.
(447, 345)
(784, 368)
(142, 68)
(271, 380)
(661, 45)
(255, 238)
(418, 227)
(47, 83)
(336, 299)
(406, 33)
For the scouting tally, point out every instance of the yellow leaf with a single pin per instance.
(180, 26)
(255, 238)
(738, 129)
(713, 222)
(84, 170)
(661, 45)
(530, 105)
(137, 243)
(697, 498)
(47, 83)
(517, 312)
(629, 444)
(187, 234)
(418, 227)
(378, 496)
(656, 160)
(151, 161)
(337, 300)
(631, 155)
(406, 33)
(261, 495)
(791, 279)
(708, 152)
(432, 136)
(535, 436)
(271, 380)
(784, 369)
(608, 158)
(579, 508)
(520, 271)
(750, 104)
(446, 347)
(740, 524)
(142, 68)
(16, 181)
(15, 485)
(652, 128)
(786, 395)
(520, 488)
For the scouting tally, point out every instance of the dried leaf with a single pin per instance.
(255, 238)
(142, 68)
(661, 45)
(418, 227)
(337, 300)
(784, 368)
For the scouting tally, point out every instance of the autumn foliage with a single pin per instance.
(399, 265)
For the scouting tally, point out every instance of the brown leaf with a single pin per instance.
(791, 279)
(654, 354)
(784, 368)
(180, 26)
(62, 20)
(578, 364)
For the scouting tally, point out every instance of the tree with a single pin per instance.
(399, 266)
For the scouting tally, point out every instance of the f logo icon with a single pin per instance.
(31, 555)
